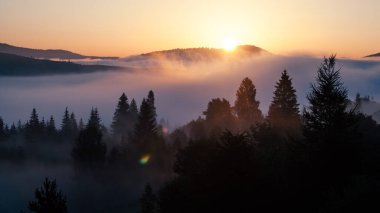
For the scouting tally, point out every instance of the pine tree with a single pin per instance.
(33, 128)
(146, 124)
(89, 150)
(219, 114)
(50, 127)
(73, 124)
(330, 127)
(66, 123)
(246, 105)
(327, 114)
(34, 122)
(49, 199)
(133, 113)
(284, 112)
(150, 100)
(146, 139)
(94, 120)
(120, 123)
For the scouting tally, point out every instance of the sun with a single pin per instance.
(229, 44)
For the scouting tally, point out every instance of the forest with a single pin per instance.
(322, 157)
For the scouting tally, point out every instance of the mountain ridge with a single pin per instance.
(373, 55)
(46, 54)
(189, 55)
(15, 65)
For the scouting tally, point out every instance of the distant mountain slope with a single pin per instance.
(189, 55)
(373, 55)
(14, 65)
(45, 54)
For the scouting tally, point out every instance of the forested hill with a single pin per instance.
(373, 55)
(14, 65)
(46, 54)
(188, 55)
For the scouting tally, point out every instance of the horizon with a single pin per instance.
(123, 28)
(147, 106)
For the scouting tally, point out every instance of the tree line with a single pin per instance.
(322, 158)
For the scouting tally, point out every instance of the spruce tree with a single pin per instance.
(246, 105)
(146, 138)
(146, 125)
(89, 150)
(219, 114)
(50, 127)
(73, 124)
(150, 100)
(327, 114)
(94, 120)
(120, 119)
(66, 123)
(330, 127)
(284, 112)
(34, 122)
(48, 199)
(133, 112)
(33, 128)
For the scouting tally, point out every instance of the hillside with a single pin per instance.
(189, 55)
(45, 54)
(373, 55)
(14, 65)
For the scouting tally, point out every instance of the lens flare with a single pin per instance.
(144, 159)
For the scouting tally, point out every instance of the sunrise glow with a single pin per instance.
(123, 28)
(229, 44)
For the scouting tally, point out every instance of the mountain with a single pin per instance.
(45, 54)
(373, 55)
(14, 65)
(189, 55)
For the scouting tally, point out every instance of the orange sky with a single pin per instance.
(349, 28)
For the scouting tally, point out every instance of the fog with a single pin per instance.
(182, 91)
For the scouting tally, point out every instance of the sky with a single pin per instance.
(125, 27)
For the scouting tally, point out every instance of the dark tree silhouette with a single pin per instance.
(146, 125)
(330, 129)
(51, 130)
(48, 199)
(146, 138)
(33, 128)
(2, 131)
(73, 124)
(284, 112)
(213, 176)
(133, 112)
(149, 201)
(69, 126)
(81, 125)
(246, 105)
(120, 123)
(66, 123)
(219, 115)
(89, 150)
